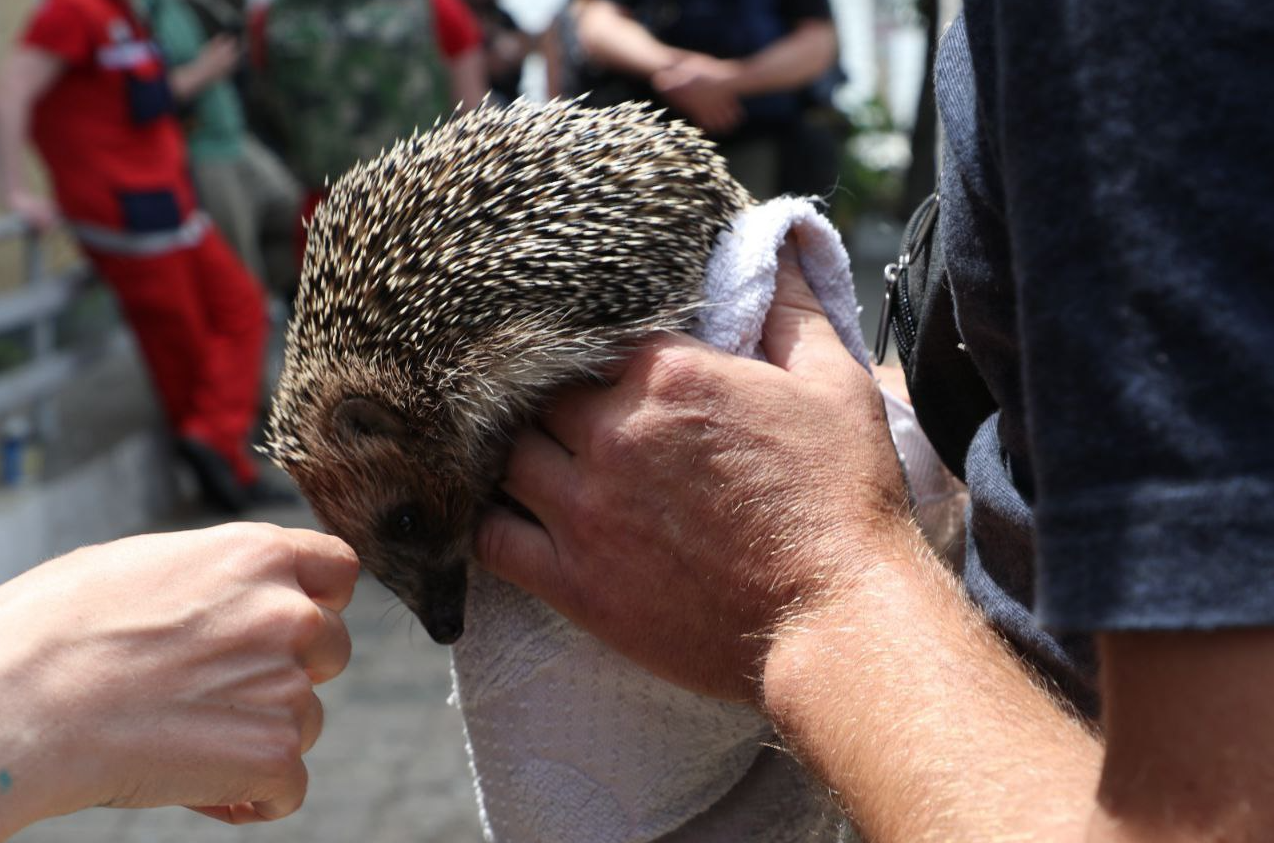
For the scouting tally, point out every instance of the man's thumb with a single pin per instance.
(797, 335)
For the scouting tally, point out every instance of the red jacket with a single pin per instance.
(106, 128)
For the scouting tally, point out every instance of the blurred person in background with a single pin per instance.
(347, 78)
(505, 47)
(90, 88)
(747, 73)
(244, 186)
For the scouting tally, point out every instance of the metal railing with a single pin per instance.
(34, 307)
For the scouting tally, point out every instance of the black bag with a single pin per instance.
(948, 394)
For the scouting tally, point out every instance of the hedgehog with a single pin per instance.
(449, 286)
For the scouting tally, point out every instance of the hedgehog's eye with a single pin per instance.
(405, 523)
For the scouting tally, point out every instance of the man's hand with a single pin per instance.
(689, 508)
(35, 210)
(217, 60)
(741, 529)
(701, 87)
(171, 669)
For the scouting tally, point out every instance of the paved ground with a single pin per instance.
(390, 767)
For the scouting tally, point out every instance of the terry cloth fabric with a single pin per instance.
(570, 741)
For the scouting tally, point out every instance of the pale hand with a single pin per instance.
(219, 58)
(171, 669)
(699, 86)
(35, 210)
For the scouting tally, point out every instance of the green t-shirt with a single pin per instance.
(216, 126)
(356, 75)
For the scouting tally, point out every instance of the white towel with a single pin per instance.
(738, 284)
(572, 743)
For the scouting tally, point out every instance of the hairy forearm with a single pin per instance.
(793, 61)
(912, 710)
(616, 41)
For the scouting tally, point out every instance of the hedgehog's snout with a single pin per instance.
(441, 602)
(445, 630)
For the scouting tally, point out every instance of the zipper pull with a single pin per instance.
(892, 274)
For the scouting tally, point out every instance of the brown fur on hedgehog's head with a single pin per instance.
(448, 286)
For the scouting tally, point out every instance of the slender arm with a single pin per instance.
(614, 40)
(549, 44)
(468, 74)
(793, 61)
(26, 76)
(215, 62)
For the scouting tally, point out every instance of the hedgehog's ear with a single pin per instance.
(357, 418)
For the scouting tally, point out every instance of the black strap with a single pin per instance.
(948, 393)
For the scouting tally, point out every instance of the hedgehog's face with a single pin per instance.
(409, 520)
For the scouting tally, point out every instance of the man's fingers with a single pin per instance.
(326, 654)
(537, 474)
(289, 791)
(290, 795)
(522, 553)
(577, 413)
(241, 813)
(572, 414)
(312, 724)
(326, 568)
(797, 335)
(727, 115)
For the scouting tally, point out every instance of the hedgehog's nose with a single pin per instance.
(441, 605)
(445, 630)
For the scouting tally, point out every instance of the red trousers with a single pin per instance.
(200, 319)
